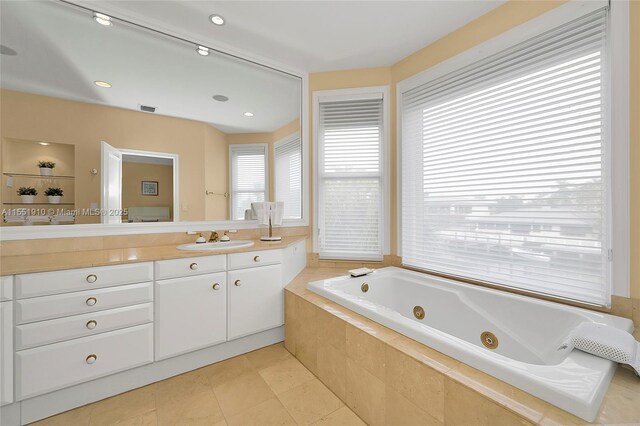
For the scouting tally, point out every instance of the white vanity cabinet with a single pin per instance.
(191, 313)
(77, 325)
(256, 294)
(6, 340)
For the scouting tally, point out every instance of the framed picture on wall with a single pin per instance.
(149, 187)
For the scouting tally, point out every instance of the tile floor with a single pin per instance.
(265, 387)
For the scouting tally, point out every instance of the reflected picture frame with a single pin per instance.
(150, 187)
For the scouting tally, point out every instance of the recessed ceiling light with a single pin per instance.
(102, 19)
(102, 84)
(248, 114)
(216, 19)
(204, 51)
(43, 143)
(220, 98)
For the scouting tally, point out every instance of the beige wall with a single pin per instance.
(132, 176)
(41, 118)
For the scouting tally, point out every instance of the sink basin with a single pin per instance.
(219, 245)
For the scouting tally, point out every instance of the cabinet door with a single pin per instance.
(191, 314)
(255, 300)
(6, 353)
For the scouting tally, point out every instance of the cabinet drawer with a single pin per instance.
(6, 288)
(58, 330)
(254, 258)
(62, 305)
(48, 368)
(44, 283)
(190, 266)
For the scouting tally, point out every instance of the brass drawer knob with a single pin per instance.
(256, 258)
(237, 283)
(92, 358)
(92, 278)
(92, 324)
(91, 301)
(193, 266)
(216, 286)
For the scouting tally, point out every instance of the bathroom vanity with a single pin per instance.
(83, 334)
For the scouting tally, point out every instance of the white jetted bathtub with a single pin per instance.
(531, 335)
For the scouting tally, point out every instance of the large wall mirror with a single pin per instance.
(117, 123)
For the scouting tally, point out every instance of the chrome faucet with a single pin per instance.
(214, 237)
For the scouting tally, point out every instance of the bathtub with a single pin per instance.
(529, 336)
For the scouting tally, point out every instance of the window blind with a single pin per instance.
(504, 167)
(350, 186)
(288, 176)
(248, 177)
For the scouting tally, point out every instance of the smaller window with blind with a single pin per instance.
(288, 175)
(350, 135)
(248, 177)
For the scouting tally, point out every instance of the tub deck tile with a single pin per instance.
(469, 394)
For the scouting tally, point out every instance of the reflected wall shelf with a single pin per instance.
(38, 176)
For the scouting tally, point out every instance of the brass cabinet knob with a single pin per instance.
(256, 258)
(238, 283)
(216, 286)
(92, 278)
(193, 266)
(92, 324)
(91, 358)
(91, 301)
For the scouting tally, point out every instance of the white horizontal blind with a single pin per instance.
(350, 179)
(248, 177)
(504, 167)
(288, 176)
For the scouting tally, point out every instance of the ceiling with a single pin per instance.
(308, 35)
(61, 51)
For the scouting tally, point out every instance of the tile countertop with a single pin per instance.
(12, 265)
(621, 404)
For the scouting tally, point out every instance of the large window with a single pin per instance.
(288, 175)
(504, 167)
(350, 176)
(248, 177)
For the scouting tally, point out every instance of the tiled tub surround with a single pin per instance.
(387, 378)
(454, 318)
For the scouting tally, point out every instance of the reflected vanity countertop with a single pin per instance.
(23, 264)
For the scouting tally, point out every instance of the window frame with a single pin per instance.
(232, 192)
(616, 131)
(353, 94)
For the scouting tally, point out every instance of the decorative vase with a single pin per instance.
(46, 171)
(54, 199)
(27, 199)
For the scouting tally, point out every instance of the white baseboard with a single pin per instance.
(40, 407)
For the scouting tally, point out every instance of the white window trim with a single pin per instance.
(618, 111)
(264, 146)
(303, 159)
(354, 94)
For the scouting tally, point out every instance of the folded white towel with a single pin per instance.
(277, 212)
(607, 342)
(262, 211)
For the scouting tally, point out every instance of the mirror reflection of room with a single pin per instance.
(177, 99)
